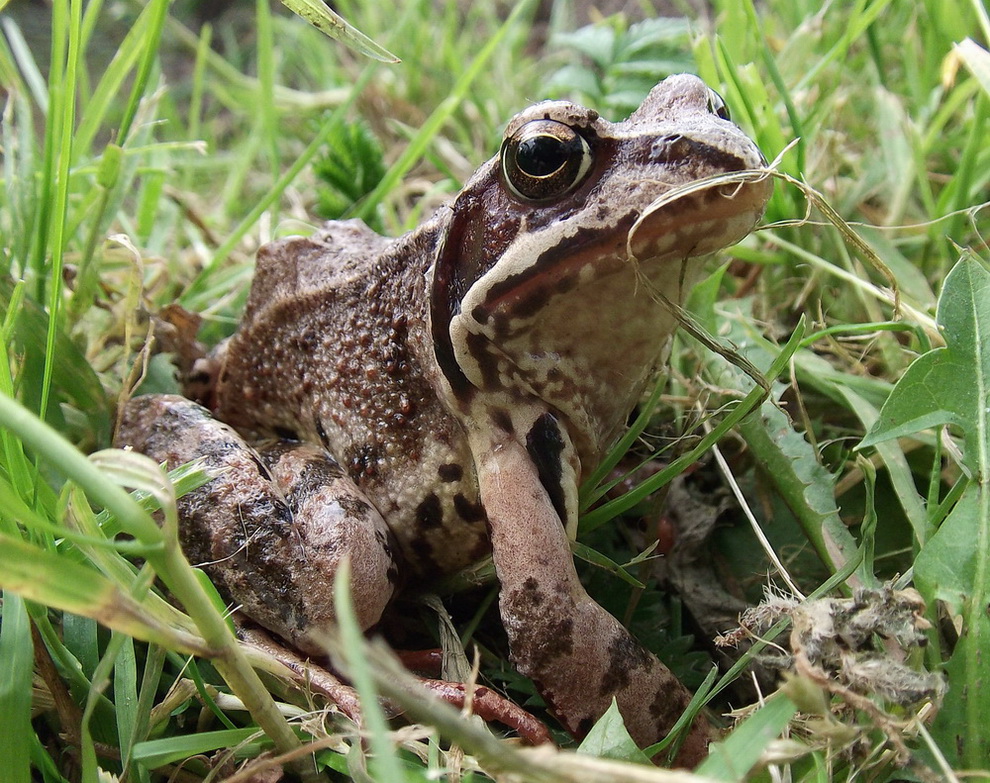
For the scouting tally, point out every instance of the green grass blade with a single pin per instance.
(125, 693)
(52, 580)
(136, 43)
(418, 144)
(732, 758)
(157, 753)
(326, 21)
(385, 765)
(17, 665)
(192, 297)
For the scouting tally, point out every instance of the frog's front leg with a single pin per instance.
(578, 654)
(274, 523)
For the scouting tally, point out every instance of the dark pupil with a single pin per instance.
(539, 156)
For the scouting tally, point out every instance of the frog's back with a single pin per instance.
(332, 351)
(289, 269)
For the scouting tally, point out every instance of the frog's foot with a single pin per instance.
(302, 672)
(273, 525)
(311, 676)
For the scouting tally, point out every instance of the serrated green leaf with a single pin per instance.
(949, 385)
(789, 461)
(808, 489)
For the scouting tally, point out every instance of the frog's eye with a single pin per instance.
(717, 106)
(544, 159)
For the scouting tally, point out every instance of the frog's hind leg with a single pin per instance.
(273, 525)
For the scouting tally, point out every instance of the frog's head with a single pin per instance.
(542, 287)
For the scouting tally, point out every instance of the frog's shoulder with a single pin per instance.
(338, 253)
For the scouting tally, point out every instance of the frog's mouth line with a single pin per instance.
(686, 222)
(738, 193)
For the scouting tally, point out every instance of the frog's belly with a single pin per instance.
(433, 509)
(420, 476)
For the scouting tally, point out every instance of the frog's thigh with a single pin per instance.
(273, 526)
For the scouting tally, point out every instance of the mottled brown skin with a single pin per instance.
(464, 378)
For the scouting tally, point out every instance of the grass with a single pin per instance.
(146, 157)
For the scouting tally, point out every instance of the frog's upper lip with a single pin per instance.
(718, 211)
(699, 220)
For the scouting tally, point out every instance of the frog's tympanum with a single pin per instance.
(418, 402)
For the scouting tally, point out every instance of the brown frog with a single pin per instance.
(419, 402)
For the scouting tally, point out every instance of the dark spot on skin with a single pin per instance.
(199, 377)
(468, 511)
(665, 707)
(322, 433)
(625, 655)
(555, 644)
(677, 150)
(313, 472)
(262, 468)
(320, 471)
(472, 244)
(429, 513)
(248, 557)
(450, 471)
(481, 548)
(387, 544)
(545, 445)
(423, 555)
(479, 348)
(353, 506)
(502, 420)
(286, 433)
(585, 242)
(272, 452)
(529, 305)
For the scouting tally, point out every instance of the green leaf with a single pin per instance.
(953, 567)
(792, 465)
(76, 385)
(789, 462)
(949, 385)
(609, 739)
(352, 167)
(946, 566)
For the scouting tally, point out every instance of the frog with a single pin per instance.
(414, 404)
